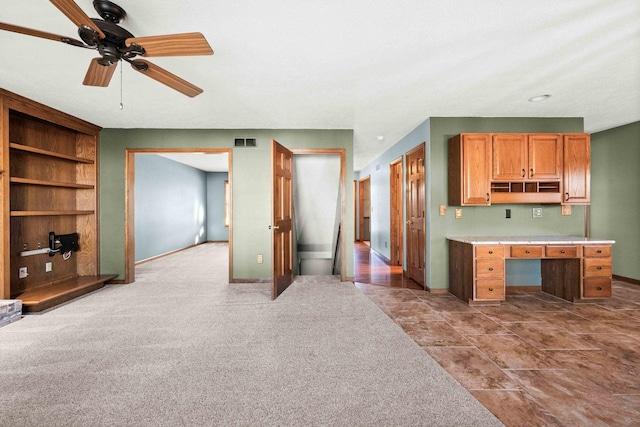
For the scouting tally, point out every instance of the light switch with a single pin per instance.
(259, 258)
(566, 210)
(443, 210)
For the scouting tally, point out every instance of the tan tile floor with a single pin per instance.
(535, 360)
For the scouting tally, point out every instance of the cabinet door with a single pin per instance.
(509, 157)
(576, 182)
(545, 156)
(476, 167)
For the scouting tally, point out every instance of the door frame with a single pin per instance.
(342, 152)
(396, 212)
(360, 210)
(129, 222)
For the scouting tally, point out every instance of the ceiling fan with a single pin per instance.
(114, 43)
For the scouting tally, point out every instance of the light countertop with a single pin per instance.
(529, 240)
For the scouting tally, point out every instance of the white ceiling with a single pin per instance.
(379, 67)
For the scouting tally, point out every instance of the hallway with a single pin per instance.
(535, 359)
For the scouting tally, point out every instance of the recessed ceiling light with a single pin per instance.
(539, 98)
(380, 138)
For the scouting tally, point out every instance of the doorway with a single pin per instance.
(396, 213)
(365, 209)
(416, 204)
(284, 247)
(130, 217)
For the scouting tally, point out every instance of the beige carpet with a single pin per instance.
(182, 347)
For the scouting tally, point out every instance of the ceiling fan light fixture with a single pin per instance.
(539, 98)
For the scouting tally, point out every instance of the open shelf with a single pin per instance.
(48, 153)
(50, 213)
(28, 181)
(526, 192)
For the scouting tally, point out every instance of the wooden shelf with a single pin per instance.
(50, 213)
(43, 297)
(28, 181)
(49, 153)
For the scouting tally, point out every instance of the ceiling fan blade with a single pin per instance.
(185, 44)
(165, 77)
(76, 15)
(98, 74)
(41, 34)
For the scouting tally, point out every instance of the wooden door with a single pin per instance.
(545, 156)
(282, 219)
(509, 157)
(416, 204)
(396, 250)
(365, 209)
(576, 182)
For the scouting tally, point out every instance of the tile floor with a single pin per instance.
(535, 360)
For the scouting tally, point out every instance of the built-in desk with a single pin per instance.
(572, 268)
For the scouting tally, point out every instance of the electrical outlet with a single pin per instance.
(566, 210)
(259, 258)
(22, 274)
(458, 213)
(48, 267)
(537, 212)
(385, 244)
(443, 210)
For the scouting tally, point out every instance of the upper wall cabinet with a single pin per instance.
(470, 170)
(576, 179)
(518, 168)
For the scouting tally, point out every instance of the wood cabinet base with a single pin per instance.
(44, 297)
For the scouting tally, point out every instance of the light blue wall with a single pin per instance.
(216, 230)
(170, 205)
(615, 195)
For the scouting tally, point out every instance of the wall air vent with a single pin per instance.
(245, 142)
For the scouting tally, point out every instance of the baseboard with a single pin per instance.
(250, 281)
(382, 257)
(517, 289)
(626, 279)
(116, 282)
(437, 291)
(164, 254)
(217, 241)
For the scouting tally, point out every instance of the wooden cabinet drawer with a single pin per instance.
(597, 251)
(489, 251)
(561, 251)
(597, 267)
(597, 287)
(490, 289)
(490, 268)
(526, 251)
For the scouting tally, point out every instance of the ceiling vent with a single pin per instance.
(245, 142)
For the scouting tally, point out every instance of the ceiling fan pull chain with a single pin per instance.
(121, 104)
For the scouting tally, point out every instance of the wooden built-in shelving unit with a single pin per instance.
(49, 183)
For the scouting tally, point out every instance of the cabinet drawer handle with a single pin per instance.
(566, 197)
(523, 172)
(527, 251)
(531, 172)
(490, 252)
(488, 197)
(490, 268)
(598, 268)
(599, 288)
(562, 251)
(490, 289)
(599, 251)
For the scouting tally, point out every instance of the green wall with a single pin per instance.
(251, 188)
(615, 195)
(486, 220)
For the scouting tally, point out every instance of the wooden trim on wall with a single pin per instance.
(5, 220)
(343, 198)
(129, 250)
(626, 279)
(360, 203)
